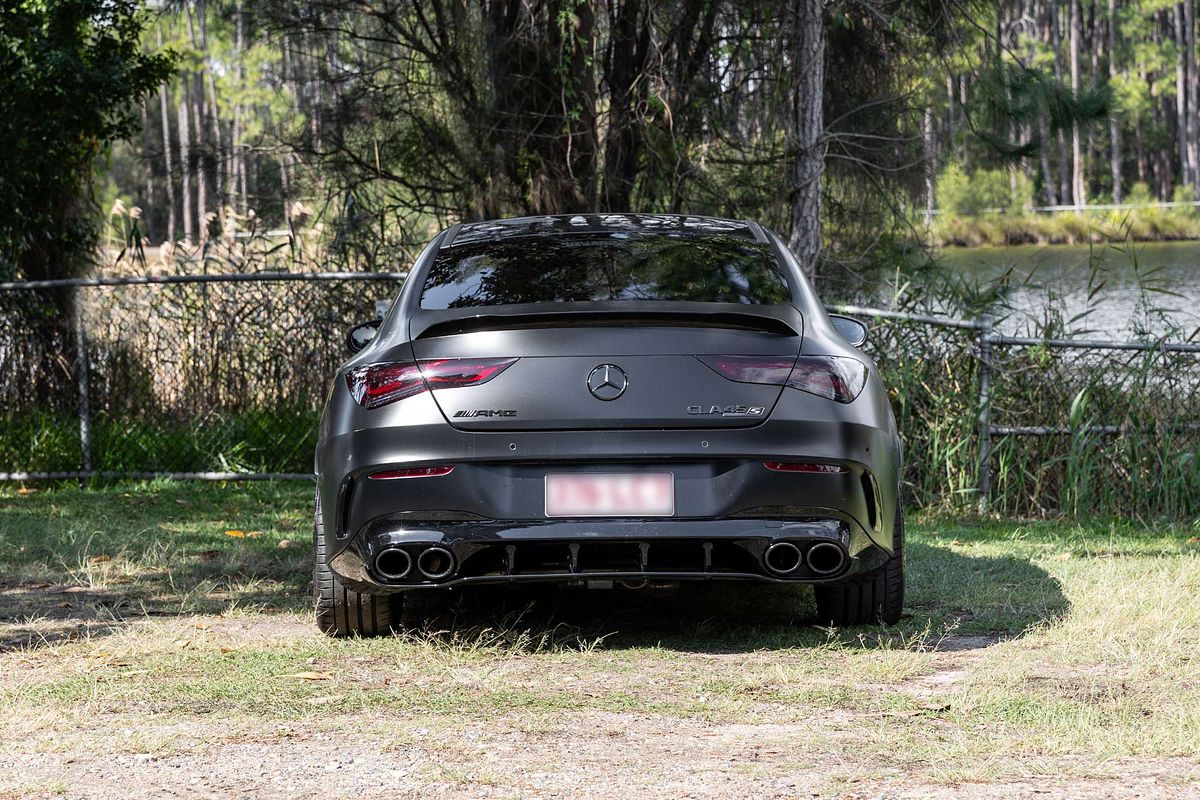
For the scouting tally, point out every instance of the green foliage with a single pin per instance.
(71, 75)
(983, 191)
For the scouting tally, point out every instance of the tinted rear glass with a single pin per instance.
(614, 266)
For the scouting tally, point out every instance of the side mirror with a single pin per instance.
(361, 335)
(849, 329)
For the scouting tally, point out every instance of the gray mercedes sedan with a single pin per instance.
(606, 401)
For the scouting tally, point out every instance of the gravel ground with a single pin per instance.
(588, 756)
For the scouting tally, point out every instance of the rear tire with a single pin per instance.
(876, 597)
(341, 612)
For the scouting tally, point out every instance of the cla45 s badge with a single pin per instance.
(726, 411)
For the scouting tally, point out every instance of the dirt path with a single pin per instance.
(593, 755)
(126, 754)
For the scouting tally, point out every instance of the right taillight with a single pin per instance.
(833, 377)
(375, 385)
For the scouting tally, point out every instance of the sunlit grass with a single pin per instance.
(1024, 641)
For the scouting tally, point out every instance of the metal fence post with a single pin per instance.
(986, 323)
(82, 369)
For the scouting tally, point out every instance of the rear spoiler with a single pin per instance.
(776, 320)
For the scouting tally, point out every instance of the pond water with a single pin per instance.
(1153, 285)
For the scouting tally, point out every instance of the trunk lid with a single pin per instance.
(594, 369)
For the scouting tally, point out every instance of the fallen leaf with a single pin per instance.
(201, 625)
(182, 502)
(236, 534)
(325, 699)
(285, 544)
(25, 490)
(253, 534)
(1194, 540)
(75, 589)
(309, 676)
(99, 559)
(226, 649)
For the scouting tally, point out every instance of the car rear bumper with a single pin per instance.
(490, 514)
(387, 554)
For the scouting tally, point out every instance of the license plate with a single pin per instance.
(610, 495)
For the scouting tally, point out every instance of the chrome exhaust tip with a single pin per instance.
(783, 558)
(435, 562)
(393, 563)
(826, 558)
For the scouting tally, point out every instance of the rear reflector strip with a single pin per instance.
(792, 466)
(418, 472)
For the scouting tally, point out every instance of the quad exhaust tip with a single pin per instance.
(435, 563)
(783, 558)
(393, 563)
(825, 558)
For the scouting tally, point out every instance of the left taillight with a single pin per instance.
(375, 385)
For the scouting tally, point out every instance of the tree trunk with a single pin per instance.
(237, 167)
(964, 153)
(1193, 94)
(1139, 149)
(930, 161)
(1095, 45)
(147, 224)
(1114, 120)
(1048, 177)
(1078, 185)
(807, 140)
(629, 47)
(196, 119)
(165, 104)
(1181, 98)
(199, 152)
(1064, 157)
(185, 161)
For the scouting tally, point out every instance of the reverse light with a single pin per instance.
(415, 472)
(801, 466)
(375, 385)
(833, 377)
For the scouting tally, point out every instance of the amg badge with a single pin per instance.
(487, 412)
(726, 411)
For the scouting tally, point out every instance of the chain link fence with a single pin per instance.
(224, 376)
(191, 376)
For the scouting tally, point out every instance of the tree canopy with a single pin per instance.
(72, 73)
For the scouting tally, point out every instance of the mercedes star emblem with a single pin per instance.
(607, 382)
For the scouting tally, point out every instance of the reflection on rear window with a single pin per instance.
(613, 266)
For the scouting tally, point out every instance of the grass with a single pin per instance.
(265, 440)
(133, 622)
(1149, 224)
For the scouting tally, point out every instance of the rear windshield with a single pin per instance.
(614, 266)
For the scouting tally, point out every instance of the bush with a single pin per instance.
(982, 191)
